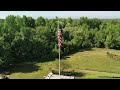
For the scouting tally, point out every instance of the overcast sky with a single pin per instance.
(63, 14)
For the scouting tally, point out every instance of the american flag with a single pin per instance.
(59, 37)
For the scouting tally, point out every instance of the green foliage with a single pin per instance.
(40, 21)
(25, 38)
(68, 73)
(100, 38)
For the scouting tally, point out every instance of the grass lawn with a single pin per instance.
(93, 64)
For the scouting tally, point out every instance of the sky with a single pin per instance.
(63, 14)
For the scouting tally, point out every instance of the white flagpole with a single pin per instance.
(59, 62)
(59, 53)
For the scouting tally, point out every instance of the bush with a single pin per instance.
(69, 73)
(63, 65)
(66, 73)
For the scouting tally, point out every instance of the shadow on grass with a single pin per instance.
(108, 77)
(70, 73)
(79, 74)
(26, 67)
(31, 66)
(22, 67)
(82, 50)
(64, 57)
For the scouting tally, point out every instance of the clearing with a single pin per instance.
(91, 64)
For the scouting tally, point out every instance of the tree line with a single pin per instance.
(25, 39)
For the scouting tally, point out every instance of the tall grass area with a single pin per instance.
(93, 63)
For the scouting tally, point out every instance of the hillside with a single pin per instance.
(91, 64)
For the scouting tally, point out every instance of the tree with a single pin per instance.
(83, 20)
(100, 38)
(69, 20)
(19, 22)
(25, 38)
(25, 21)
(31, 22)
(40, 21)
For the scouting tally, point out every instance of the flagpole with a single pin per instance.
(59, 53)
(59, 62)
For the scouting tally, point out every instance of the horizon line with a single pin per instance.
(64, 17)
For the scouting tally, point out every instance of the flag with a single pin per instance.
(59, 37)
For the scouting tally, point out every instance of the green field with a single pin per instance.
(92, 64)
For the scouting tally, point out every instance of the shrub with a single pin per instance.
(63, 65)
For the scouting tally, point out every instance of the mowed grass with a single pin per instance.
(96, 59)
(43, 70)
(93, 64)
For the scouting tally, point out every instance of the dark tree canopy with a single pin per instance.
(26, 39)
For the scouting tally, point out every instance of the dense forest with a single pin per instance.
(25, 39)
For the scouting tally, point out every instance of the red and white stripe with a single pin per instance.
(59, 38)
